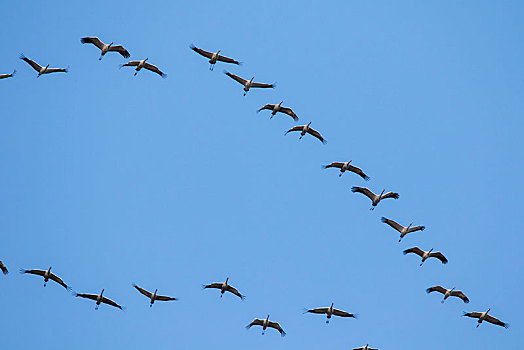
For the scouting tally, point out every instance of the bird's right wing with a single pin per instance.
(496, 321)
(390, 195)
(143, 291)
(365, 191)
(111, 302)
(316, 134)
(342, 313)
(154, 69)
(130, 64)
(32, 63)
(227, 59)
(277, 326)
(201, 52)
(461, 295)
(3, 268)
(416, 228)
(93, 40)
(439, 289)
(318, 310)
(234, 291)
(415, 250)
(237, 78)
(165, 298)
(289, 111)
(59, 281)
(296, 128)
(334, 165)
(268, 106)
(255, 322)
(121, 50)
(358, 171)
(33, 272)
(217, 285)
(439, 256)
(87, 296)
(262, 85)
(393, 224)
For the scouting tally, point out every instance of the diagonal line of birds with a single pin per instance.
(225, 287)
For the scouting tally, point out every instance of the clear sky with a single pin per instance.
(173, 183)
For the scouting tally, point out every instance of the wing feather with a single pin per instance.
(415, 250)
(32, 63)
(93, 40)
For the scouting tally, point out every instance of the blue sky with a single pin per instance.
(173, 183)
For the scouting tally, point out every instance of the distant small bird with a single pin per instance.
(306, 129)
(143, 64)
(153, 296)
(402, 229)
(42, 70)
(346, 166)
(426, 255)
(330, 311)
(279, 108)
(483, 316)
(365, 348)
(3, 268)
(3, 76)
(99, 299)
(374, 198)
(213, 57)
(105, 48)
(448, 293)
(265, 324)
(47, 275)
(224, 287)
(248, 84)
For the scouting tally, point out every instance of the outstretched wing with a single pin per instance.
(390, 195)
(416, 228)
(3, 268)
(32, 63)
(318, 310)
(155, 69)
(111, 302)
(87, 296)
(296, 128)
(439, 256)
(227, 59)
(496, 321)
(234, 291)
(365, 191)
(341, 313)
(415, 250)
(461, 295)
(120, 49)
(268, 106)
(393, 224)
(277, 326)
(316, 134)
(130, 64)
(59, 281)
(439, 289)
(216, 285)
(57, 70)
(255, 322)
(143, 291)
(200, 51)
(237, 78)
(334, 165)
(165, 298)
(93, 40)
(33, 272)
(262, 85)
(289, 111)
(358, 171)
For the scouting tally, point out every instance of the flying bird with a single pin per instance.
(365, 348)
(3, 76)
(42, 70)
(153, 296)
(307, 129)
(265, 324)
(99, 298)
(330, 311)
(105, 48)
(374, 198)
(248, 84)
(3, 268)
(402, 229)
(426, 255)
(47, 275)
(143, 64)
(483, 316)
(224, 287)
(213, 57)
(448, 293)
(279, 108)
(346, 166)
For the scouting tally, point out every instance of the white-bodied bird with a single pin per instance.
(330, 311)
(375, 199)
(426, 255)
(403, 230)
(483, 316)
(143, 64)
(42, 70)
(47, 275)
(99, 298)
(265, 323)
(306, 129)
(153, 296)
(224, 287)
(279, 108)
(347, 166)
(448, 293)
(248, 84)
(213, 57)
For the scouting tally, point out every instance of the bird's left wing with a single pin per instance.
(439, 256)
(155, 69)
(496, 321)
(341, 313)
(296, 128)
(59, 281)
(262, 85)
(277, 326)
(143, 291)
(121, 50)
(165, 298)
(390, 195)
(237, 78)
(111, 302)
(201, 52)
(289, 111)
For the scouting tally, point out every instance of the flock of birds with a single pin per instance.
(224, 287)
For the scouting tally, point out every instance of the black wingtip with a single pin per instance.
(22, 56)
(164, 75)
(405, 252)
(324, 166)
(428, 290)
(22, 271)
(506, 325)
(383, 219)
(192, 47)
(422, 228)
(354, 189)
(83, 40)
(367, 178)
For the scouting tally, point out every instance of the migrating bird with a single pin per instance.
(42, 70)
(153, 296)
(143, 64)
(483, 316)
(265, 324)
(448, 293)
(306, 129)
(213, 57)
(425, 255)
(225, 287)
(3, 76)
(365, 348)
(279, 108)
(374, 198)
(346, 166)
(99, 299)
(105, 48)
(248, 84)
(47, 275)
(3, 268)
(330, 311)
(402, 229)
